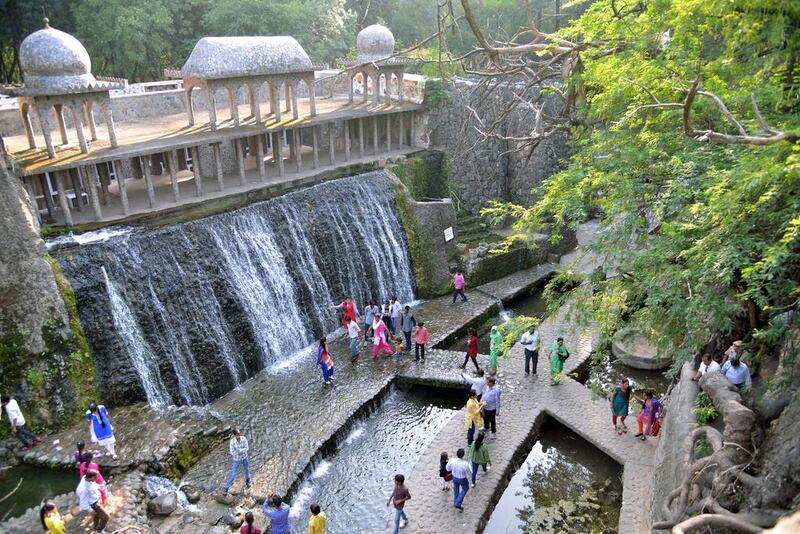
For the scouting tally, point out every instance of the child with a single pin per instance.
(318, 521)
(420, 340)
(472, 350)
(399, 497)
(51, 519)
(247, 527)
(445, 475)
(77, 457)
(398, 349)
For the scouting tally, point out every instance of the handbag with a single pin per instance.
(656, 428)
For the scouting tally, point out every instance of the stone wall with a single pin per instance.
(487, 169)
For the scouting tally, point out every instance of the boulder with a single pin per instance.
(634, 350)
(163, 504)
(191, 492)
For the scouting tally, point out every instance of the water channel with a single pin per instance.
(564, 485)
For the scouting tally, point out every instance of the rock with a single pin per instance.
(636, 351)
(164, 504)
(191, 492)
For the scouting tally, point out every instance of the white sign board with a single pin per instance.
(448, 234)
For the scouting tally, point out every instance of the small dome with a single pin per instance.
(375, 42)
(231, 57)
(54, 62)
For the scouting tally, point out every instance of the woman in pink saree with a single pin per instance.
(379, 337)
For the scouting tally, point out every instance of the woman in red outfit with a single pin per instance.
(348, 308)
(472, 350)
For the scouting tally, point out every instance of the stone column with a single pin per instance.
(48, 138)
(212, 109)
(62, 127)
(172, 163)
(315, 146)
(312, 97)
(240, 160)
(76, 119)
(262, 171)
(331, 144)
(295, 110)
(287, 95)
(25, 112)
(62, 198)
(402, 133)
(48, 196)
(75, 178)
(365, 77)
(109, 118)
(388, 132)
(361, 137)
(401, 89)
(274, 101)
(298, 145)
(233, 101)
(218, 165)
(377, 87)
(292, 145)
(198, 176)
(349, 87)
(413, 142)
(92, 179)
(375, 135)
(189, 104)
(105, 179)
(123, 189)
(255, 105)
(346, 140)
(277, 151)
(144, 161)
(87, 110)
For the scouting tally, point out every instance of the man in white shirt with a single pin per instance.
(530, 342)
(462, 471)
(708, 365)
(89, 495)
(352, 331)
(477, 383)
(17, 421)
(395, 309)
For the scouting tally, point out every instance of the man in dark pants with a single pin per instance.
(89, 496)
(530, 342)
(491, 399)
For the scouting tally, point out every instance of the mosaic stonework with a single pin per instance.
(232, 57)
(374, 42)
(54, 62)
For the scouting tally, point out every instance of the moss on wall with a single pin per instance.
(426, 176)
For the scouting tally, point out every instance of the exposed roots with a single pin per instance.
(704, 521)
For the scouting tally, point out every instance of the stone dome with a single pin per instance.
(232, 57)
(54, 62)
(375, 42)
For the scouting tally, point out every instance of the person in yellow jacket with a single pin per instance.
(473, 418)
(51, 519)
(318, 521)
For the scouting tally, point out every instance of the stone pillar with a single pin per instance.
(123, 189)
(48, 138)
(276, 101)
(361, 137)
(189, 104)
(331, 143)
(350, 87)
(76, 189)
(413, 142)
(315, 146)
(87, 110)
(375, 135)
(312, 97)
(255, 105)
(240, 160)
(365, 77)
(109, 118)
(172, 163)
(292, 145)
(25, 112)
(144, 161)
(346, 140)
(233, 97)
(401, 89)
(388, 132)
(198, 176)
(62, 198)
(298, 144)
(218, 166)
(277, 151)
(262, 171)
(62, 127)
(212, 109)
(402, 132)
(295, 110)
(287, 95)
(105, 179)
(48, 196)
(376, 87)
(92, 179)
(76, 119)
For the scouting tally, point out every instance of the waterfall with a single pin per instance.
(183, 314)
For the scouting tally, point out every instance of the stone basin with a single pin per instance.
(633, 348)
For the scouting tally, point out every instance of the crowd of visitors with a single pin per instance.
(733, 366)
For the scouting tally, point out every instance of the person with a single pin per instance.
(88, 464)
(421, 337)
(477, 384)
(247, 527)
(238, 449)
(495, 346)
(349, 311)
(100, 428)
(51, 519)
(395, 308)
(472, 350)
(479, 455)
(737, 373)
(558, 354)
(707, 365)
(620, 400)
(89, 497)
(318, 521)
(399, 496)
(325, 361)
(444, 473)
(278, 513)
(399, 349)
(386, 316)
(491, 402)
(651, 411)
(459, 284)
(736, 350)
(77, 456)
(473, 417)
(407, 324)
(461, 473)
(379, 334)
(353, 331)
(15, 417)
(370, 312)
(530, 342)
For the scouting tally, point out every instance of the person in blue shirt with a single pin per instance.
(737, 373)
(491, 397)
(278, 513)
(100, 428)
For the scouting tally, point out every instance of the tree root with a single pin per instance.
(715, 521)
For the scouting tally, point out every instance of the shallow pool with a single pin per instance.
(38, 484)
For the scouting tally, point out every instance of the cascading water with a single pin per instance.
(183, 314)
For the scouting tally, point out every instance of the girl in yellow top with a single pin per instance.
(473, 418)
(318, 521)
(51, 519)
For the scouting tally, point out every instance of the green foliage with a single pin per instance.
(702, 447)
(53, 231)
(435, 92)
(513, 329)
(703, 238)
(425, 177)
(704, 410)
